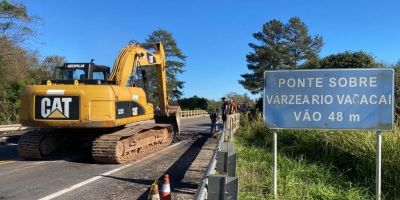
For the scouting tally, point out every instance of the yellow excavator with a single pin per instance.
(110, 111)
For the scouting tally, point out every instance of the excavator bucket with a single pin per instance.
(173, 118)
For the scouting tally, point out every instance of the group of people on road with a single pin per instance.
(227, 108)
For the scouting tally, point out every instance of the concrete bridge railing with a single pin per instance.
(19, 127)
(190, 113)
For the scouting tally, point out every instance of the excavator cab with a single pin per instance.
(87, 73)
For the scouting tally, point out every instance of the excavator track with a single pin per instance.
(131, 143)
(36, 144)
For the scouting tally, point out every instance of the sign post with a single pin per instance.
(378, 165)
(330, 99)
(275, 163)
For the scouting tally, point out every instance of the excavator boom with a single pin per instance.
(134, 55)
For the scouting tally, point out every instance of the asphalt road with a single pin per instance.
(75, 176)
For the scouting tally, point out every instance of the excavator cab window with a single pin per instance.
(75, 74)
(87, 73)
(99, 75)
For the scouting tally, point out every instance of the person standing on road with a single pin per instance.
(214, 119)
(225, 110)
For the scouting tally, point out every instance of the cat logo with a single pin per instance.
(57, 107)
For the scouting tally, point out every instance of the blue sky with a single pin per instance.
(213, 34)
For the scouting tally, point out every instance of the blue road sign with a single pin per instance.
(329, 99)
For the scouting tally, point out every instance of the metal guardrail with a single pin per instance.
(220, 181)
(19, 127)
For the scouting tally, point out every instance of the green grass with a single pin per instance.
(297, 178)
(315, 165)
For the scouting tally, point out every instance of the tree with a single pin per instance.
(14, 26)
(14, 21)
(280, 46)
(213, 105)
(268, 55)
(300, 45)
(193, 103)
(175, 61)
(46, 69)
(15, 65)
(348, 59)
(10, 101)
(15, 61)
(240, 99)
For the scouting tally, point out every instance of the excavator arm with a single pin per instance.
(134, 55)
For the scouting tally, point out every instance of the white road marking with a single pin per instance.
(78, 185)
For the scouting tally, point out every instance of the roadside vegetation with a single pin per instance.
(21, 66)
(315, 164)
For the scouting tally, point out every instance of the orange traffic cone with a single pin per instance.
(166, 189)
(154, 193)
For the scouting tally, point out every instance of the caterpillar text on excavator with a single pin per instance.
(109, 111)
